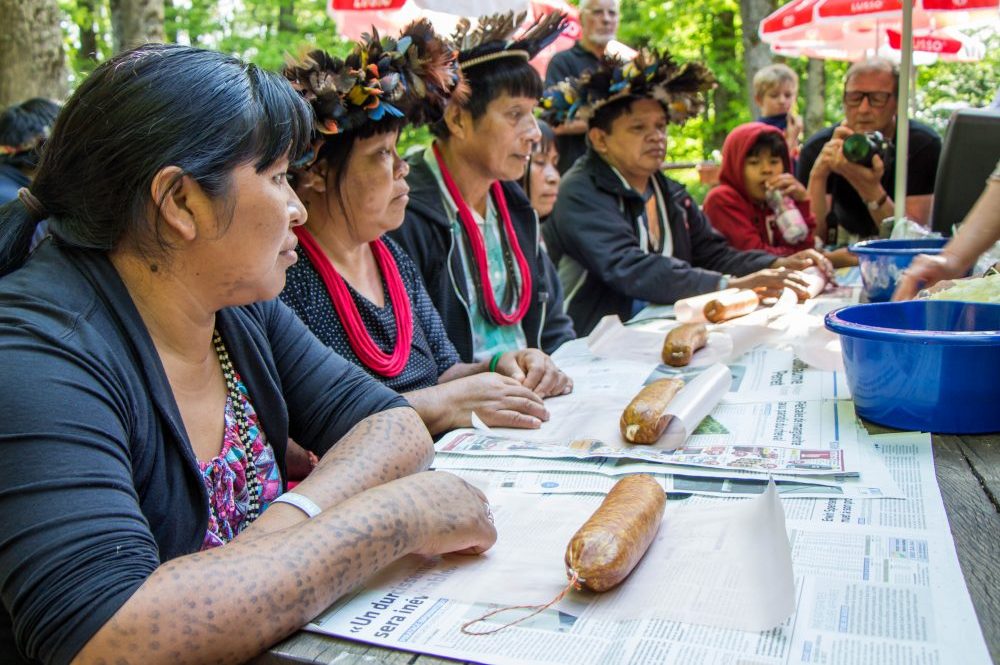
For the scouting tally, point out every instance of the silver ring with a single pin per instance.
(489, 513)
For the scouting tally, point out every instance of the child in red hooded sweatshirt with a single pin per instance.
(755, 160)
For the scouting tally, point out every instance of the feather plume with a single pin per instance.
(409, 78)
(496, 33)
(656, 75)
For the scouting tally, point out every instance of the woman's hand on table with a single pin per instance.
(535, 370)
(498, 400)
(451, 516)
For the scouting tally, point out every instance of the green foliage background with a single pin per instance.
(264, 31)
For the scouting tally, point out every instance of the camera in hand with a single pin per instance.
(860, 148)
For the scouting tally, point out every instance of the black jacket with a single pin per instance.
(595, 232)
(427, 237)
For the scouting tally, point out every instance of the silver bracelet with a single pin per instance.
(303, 503)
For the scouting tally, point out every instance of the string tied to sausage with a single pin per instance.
(574, 583)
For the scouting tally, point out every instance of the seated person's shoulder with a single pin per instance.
(922, 135)
(30, 296)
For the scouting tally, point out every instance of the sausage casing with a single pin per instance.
(609, 545)
(644, 420)
(681, 343)
(730, 305)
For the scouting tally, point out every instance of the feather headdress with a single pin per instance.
(679, 88)
(493, 37)
(410, 79)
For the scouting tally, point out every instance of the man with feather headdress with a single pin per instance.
(627, 235)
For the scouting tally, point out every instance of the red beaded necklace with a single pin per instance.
(478, 249)
(388, 365)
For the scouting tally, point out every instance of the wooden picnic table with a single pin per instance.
(968, 472)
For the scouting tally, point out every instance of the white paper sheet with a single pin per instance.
(596, 413)
(726, 565)
(611, 339)
(692, 309)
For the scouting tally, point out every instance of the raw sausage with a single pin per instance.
(644, 420)
(609, 545)
(682, 342)
(730, 305)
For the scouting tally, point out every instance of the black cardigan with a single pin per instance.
(99, 483)
(427, 237)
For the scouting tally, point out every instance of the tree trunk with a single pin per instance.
(32, 59)
(170, 22)
(136, 22)
(286, 16)
(724, 49)
(756, 54)
(815, 98)
(88, 30)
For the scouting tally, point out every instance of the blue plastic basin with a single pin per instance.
(881, 262)
(928, 365)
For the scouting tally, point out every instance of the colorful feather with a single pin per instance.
(680, 89)
(410, 78)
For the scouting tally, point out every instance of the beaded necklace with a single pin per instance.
(360, 340)
(254, 487)
(512, 254)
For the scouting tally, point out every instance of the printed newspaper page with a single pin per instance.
(875, 582)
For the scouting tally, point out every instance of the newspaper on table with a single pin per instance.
(875, 582)
(763, 459)
(518, 468)
(735, 558)
(803, 437)
(566, 482)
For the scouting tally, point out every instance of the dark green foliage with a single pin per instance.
(263, 31)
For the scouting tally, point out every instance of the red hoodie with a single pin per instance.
(744, 222)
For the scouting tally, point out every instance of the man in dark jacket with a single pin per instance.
(628, 235)
(469, 227)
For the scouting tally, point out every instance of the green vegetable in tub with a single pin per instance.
(976, 289)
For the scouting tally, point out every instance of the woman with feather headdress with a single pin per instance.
(469, 227)
(356, 289)
(627, 235)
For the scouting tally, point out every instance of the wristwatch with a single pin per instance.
(877, 203)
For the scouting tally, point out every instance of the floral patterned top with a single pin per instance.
(226, 480)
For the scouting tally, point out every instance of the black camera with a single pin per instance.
(860, 148)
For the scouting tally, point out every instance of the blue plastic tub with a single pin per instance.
(881, 262)
(929, 365)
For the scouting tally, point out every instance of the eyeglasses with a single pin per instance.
(875, 99)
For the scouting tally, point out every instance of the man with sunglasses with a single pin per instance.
(849, 200)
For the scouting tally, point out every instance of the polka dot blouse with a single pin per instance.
(431, 352)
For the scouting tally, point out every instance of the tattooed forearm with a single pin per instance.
(228, 604)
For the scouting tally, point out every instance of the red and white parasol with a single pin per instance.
(853, 29)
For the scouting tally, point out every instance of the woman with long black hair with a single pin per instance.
(151, 380)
